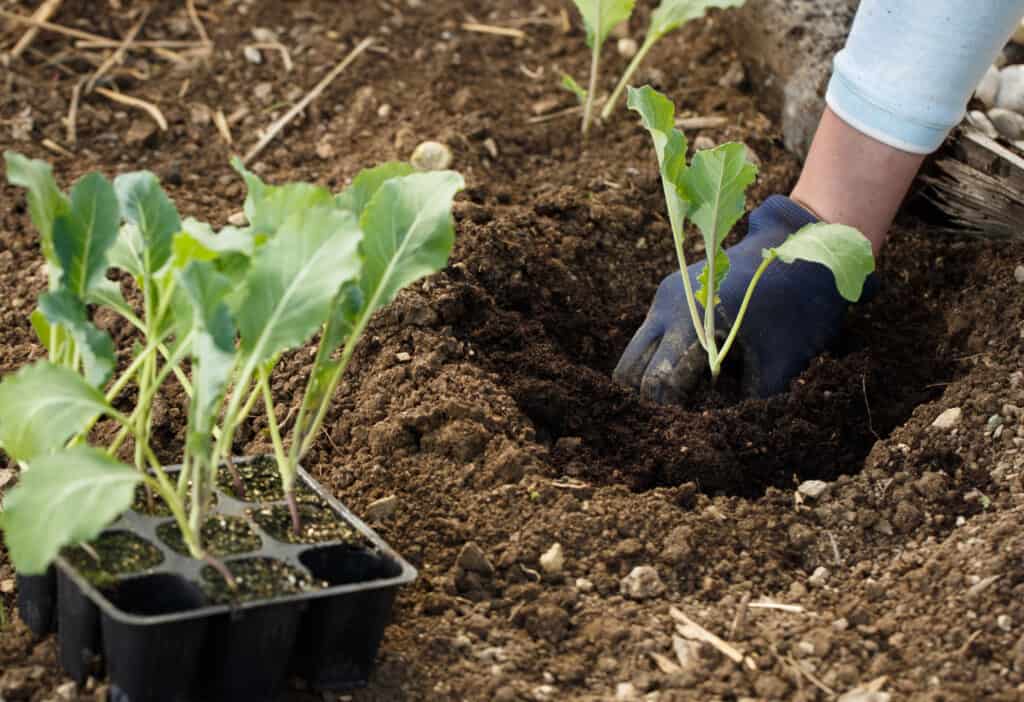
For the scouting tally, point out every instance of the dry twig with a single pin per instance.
(690, 629)
(149, 107)
(45, 12)
(710, 122)
(280, 124)
(810, 676)
(225, 132)
(768, 604)
(72, 118)
(102, 43)
(118, 55)
(56, 148)
(491, 29)
(51, 27)
(277, 46)
(197, 23)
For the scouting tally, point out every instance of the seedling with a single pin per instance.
(669, 16)
(230, 303)
(599, 18)
(711, 191)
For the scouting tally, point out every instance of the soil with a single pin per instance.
(319, 525)
(120, 553)
(152, 504)
(262, 482)
(221, 535)
(256, 579)
(481, 399)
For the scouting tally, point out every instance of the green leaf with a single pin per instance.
(95, 345)
(408, 232)
(657, 113)
(570, 84)
(83, 236)
(843, 250)
(268, 207)
(366, 184)
(126, 253)
(601, 16)
(65, 498)
(213, 346)
(294, 278)
(721, 270)
(145, 204)
(672, 14)
(715, 186)
(197, 241)
(45, 200)
(41, 326)
(42, 406)
(108, 293)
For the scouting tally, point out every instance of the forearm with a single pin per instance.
(900, 84)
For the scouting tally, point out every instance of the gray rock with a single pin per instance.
(948, 419)
(1009, 123)
(642, 583)
(381, 509)
(988, 88)
(787, 48)
(813, 489)
(1011, 88)
(471, 558)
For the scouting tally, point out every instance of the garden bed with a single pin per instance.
(482, 400)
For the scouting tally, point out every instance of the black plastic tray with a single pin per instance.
(158, 639)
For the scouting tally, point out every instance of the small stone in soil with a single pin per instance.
(1018, 274)
(318, 525)
(381, 509)
(257, 579)
(813, 489)
(431, 156)
(553, 560)
(948, 419)
(643, 582)
(819, 577)
(471, 558)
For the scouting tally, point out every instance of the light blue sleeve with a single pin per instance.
(909, 66)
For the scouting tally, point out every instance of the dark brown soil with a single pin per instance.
(319, 524)
(262, 482)
(120, 553)
(151, 504)
(256, 579)
(221, 535)
(482, 400)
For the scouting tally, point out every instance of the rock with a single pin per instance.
(68, 692)
(1011, 88)
(627, 47)
(1018, 274)
(787, 48)
(471, 558)
(948, 419)
(980, 121)
(819, 577)
(1004, 622)
(584, 585)
(263, 91)
(403, 357)
(264, 35)
(643, 582)
(381, 509)
(431, 156)
(813, 489)
(384, 111)
(1009, 124)
(238, 219)
(988, 88)
(139, 131)
(200, 114)
(626, 691)
(865, 696)
(553, 560)
(252, 55)
(324, 150)
(733, 77)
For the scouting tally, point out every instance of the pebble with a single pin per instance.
(1009, 123)
(626, 691)
(627, 47)
(1011, 88)
(67, 692)
(381, 509)
(1004, 622)
(813, 489)
(262, 91)
(553, 560)
(472, 558)
(865, 696)
(264, 35)
(1018, 274)
(584, 585)
(431, 156)
(139, 131)
(819, 577)
(238, 219)
(252, 55)
(384, 111)
(403, 357)
(980, 121)
(643, 582)
(733, 77)
(948, 419)
(988, 88)
(324, 150)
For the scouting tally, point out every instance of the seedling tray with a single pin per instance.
(158, 637)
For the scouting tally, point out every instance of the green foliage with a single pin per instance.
(673, 14)
(601, 16)
(570, 84)
(66, 498)
(841, 249)
(230, 303)
(711, 191)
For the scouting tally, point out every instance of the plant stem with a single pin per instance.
(284, 466)
(609, 106)
(743, 307)
(595, 60)
(691, 300)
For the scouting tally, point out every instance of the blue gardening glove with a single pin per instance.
(795, 314)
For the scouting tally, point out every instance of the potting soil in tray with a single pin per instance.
(165, 626)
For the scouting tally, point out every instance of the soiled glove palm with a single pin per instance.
(795, 314)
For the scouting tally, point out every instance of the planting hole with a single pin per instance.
(343, 564)
(221, 536)
(154, 595)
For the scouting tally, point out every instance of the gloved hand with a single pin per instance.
(795, 314)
